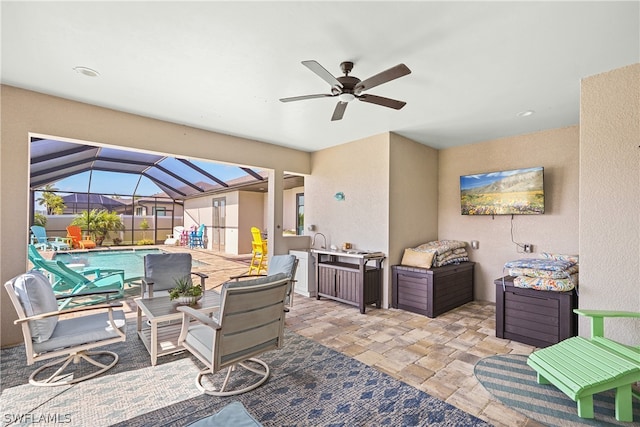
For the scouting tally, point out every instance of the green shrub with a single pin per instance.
(39, 219)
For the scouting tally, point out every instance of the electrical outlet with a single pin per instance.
(528, 248)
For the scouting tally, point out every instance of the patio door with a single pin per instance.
(219, 224)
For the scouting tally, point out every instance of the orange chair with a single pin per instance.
(258, 252)
(77, 241)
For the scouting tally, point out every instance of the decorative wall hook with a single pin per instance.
(339, 196)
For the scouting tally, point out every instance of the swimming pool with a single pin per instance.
(130, 260)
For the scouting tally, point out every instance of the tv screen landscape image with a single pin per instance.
(511, 192)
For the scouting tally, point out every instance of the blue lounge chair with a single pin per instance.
(69, 282)
(40, 240)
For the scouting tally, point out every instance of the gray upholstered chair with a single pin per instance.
(48, 335)
(162, 270)
(287, 264)
(249, 323)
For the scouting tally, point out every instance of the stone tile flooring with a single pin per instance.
(433, 355)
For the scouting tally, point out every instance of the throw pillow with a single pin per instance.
(415, 258)
(37, 297)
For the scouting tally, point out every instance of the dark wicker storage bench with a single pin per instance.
(432, 291)
(539, 318)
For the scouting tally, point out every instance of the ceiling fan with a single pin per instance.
(347, 88)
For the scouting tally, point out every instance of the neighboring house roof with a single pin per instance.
(94, 201)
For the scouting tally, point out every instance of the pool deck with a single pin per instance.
(217, 265)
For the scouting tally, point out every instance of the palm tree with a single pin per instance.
(98, 223)
(54, 203)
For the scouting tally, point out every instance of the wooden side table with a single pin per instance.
(160, 337)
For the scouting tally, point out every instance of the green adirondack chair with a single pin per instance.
(69, 282)
(581, 367)
(58, 283)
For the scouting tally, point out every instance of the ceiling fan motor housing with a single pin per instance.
(348, 84)
(346, 67)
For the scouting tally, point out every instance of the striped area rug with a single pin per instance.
(511, 381)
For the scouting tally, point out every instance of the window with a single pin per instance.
(141, 211)
(300, 214)
(162, 211)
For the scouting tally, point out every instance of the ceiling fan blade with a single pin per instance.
(339, 111)
(383, 77)
(300, 98)
(322, 73)
(385, 102)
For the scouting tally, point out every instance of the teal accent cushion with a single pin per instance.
(37, 297)
(232, 415)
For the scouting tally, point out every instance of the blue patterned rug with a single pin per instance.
(310, 385)
(510, 380)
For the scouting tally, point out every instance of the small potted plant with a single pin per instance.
(185, 292)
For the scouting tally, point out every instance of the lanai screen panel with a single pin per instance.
(53, 161)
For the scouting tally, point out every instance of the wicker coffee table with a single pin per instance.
(160, 334)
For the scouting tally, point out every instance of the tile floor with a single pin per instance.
(434, 355)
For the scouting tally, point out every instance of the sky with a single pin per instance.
(472, 181)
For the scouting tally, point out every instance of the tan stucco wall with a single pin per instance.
(360, 170)
(413, 196)
(250, 215)
(24, 112)
(610, 198)
(556, 231)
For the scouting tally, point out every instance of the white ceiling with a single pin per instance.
(222, 66)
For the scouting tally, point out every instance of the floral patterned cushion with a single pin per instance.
(542, 284)
(561, 257)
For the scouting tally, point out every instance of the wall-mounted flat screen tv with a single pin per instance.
(511, 192)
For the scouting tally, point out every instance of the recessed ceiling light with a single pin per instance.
(86, 71)
(525, 113)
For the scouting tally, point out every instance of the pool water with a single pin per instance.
(129, 260)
